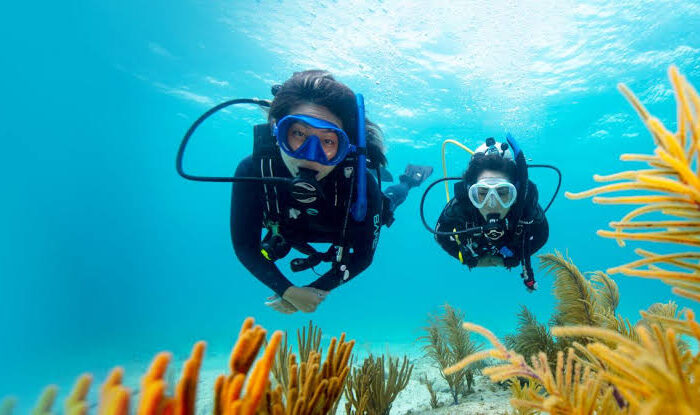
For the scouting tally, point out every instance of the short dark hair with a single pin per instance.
(320, 88)
(495, 162)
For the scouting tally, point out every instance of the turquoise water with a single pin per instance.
(107, 256)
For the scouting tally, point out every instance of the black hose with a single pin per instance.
(549, 166)
(196, 124)
(475, 230)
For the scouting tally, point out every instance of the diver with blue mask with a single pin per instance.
(307, 181)
(494, 218)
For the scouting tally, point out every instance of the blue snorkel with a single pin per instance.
(359, 208)
(513, 144)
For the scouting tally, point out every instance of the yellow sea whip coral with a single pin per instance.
(674, 180)
(572, 388)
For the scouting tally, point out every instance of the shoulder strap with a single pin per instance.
(272, 205)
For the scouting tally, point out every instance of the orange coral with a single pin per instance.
(313, 388)
(229, 399)
(228, 389)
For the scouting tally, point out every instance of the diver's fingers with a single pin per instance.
(321, 293)
(277, 306)
(273, 302)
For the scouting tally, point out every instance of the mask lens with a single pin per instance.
(501, 192)
(312, 139)
(300, 132)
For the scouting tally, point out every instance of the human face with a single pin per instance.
(299, 131)
(491, 208)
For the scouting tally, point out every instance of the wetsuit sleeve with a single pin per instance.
(247, 200)
(363, 240)
(449, 221)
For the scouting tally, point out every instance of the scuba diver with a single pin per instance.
(307, 182)
(495, 218)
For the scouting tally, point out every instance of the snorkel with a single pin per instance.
(359, 208)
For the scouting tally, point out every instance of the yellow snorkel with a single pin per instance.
(444, 163)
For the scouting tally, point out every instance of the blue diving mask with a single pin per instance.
(313, 139)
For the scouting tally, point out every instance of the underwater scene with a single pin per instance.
(350, 207)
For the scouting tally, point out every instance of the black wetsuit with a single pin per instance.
(521, 241)
(303, 223)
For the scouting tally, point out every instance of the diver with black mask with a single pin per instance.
(495, 218)
(307, 182)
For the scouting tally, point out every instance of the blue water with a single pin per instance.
(107, 256)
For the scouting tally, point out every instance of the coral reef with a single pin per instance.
(646, 370)
(446, 343)
(371, 391)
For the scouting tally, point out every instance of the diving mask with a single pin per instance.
(313, 139)
(492, 191)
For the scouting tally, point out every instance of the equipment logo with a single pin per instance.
(377, 226)
(311, 212)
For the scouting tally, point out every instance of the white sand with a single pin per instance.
(487, 398)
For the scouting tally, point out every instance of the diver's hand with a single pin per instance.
(277, 303)
(305, 299)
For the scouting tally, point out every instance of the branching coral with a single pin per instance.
(446, 343)
(582, 299)
(306, 343)
(370, 390)
(429, 385)
(571, 388)
(674, 180)
(230, 397)
(654, 376)
(532, 337)
(313, 388)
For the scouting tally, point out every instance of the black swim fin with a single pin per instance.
(415, 175)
